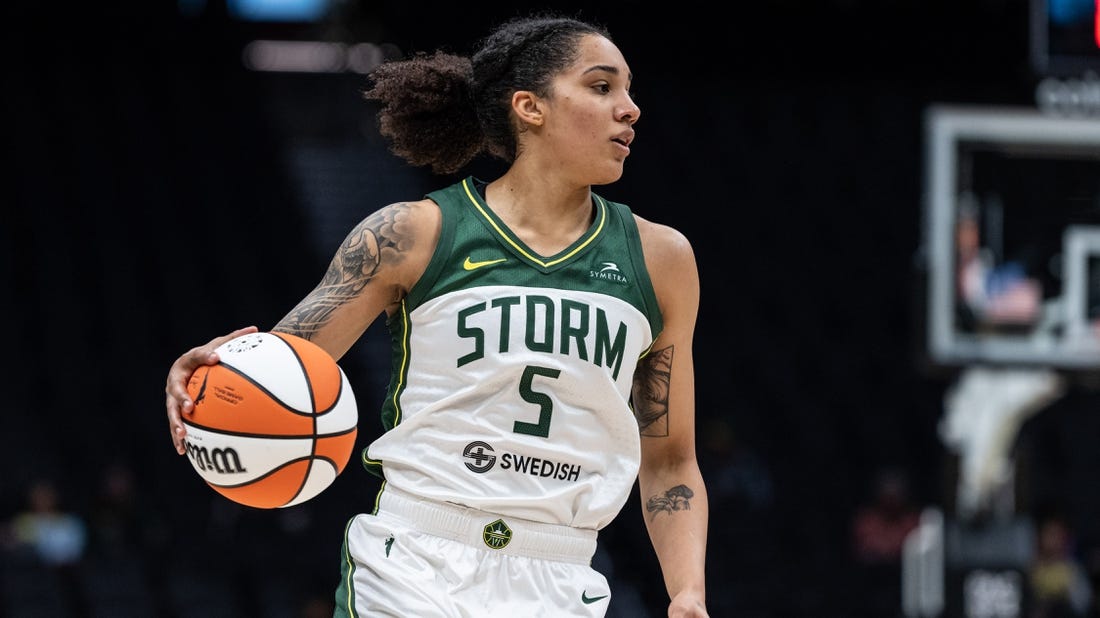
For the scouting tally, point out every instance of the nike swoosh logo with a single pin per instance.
(587, 600)
(470, 265)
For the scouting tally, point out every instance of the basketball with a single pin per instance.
(274, 421)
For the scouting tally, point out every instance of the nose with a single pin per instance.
(629, 112)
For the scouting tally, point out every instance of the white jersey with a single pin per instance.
(512, 372)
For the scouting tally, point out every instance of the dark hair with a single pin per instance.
(442, 109)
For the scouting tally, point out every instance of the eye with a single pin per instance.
(602, 88)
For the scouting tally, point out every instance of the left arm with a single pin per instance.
(674, 499)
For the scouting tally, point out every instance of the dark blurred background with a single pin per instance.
(166, 190)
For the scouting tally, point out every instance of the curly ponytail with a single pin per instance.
(442, 110)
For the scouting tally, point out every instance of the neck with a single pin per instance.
(547, 216)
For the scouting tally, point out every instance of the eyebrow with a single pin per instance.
(608, 68)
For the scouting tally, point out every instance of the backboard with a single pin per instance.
(1012, 237)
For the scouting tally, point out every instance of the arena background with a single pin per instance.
(161, 193)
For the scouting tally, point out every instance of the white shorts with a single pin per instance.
(429, 559)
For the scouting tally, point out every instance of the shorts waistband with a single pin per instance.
(490, 531)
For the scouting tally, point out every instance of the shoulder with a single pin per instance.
(395, 230)
(664, 246)
(393, 245)
(670, 261)
(417, 213)
(404, 225)
(416, 226)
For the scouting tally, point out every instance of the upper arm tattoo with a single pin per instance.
(380, 236)
(650, 396)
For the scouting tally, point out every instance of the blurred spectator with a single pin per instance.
(122, 523)
(1059, 584)
(736, 475)
(57, 537)
(317, 607)
(742, 493)
(992, 294)
(45, 545)
(879, 529)
(880, 526)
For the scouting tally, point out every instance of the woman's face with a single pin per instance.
(590, 115)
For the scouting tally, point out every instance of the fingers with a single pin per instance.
(177, 401)
(175, 424)
(233, 335)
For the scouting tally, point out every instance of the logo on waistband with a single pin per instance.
(497, 535)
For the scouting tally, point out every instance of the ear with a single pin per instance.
(528, 107)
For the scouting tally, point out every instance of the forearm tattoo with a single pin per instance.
(381, 236)
(676, 499)
(651, 385)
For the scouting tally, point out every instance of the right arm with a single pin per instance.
(372, 271)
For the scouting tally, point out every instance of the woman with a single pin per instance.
(542, 342)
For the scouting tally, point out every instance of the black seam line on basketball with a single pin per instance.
(244, 434)
(282, 403)
(280, 468)
(312, 406)
(309, 383)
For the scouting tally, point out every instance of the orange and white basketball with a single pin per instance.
(274, 421)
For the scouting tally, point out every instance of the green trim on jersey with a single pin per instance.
(345, 590)
(398, 325)
(519, 247)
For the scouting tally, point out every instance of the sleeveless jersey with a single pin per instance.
(510, 389)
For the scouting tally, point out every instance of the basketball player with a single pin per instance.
(542, 342)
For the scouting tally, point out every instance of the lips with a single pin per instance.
(624, 138)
